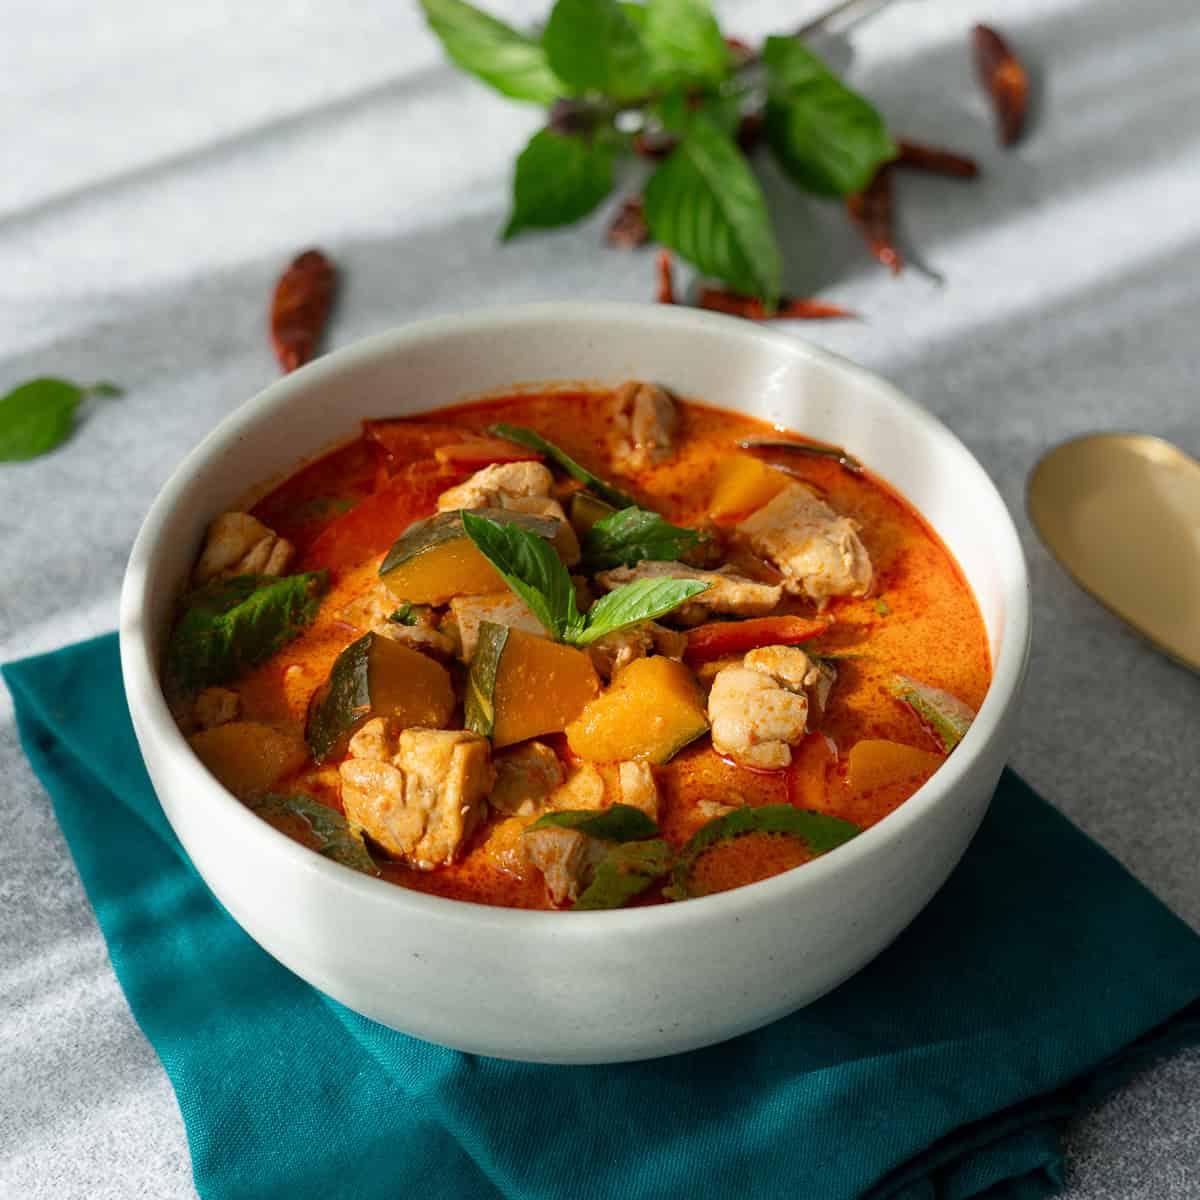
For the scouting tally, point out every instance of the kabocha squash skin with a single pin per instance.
(434, 560)
(523, 686)
(376, 677)
(414, 961)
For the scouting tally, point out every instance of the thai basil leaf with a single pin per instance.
(944, 715)
(38, 415)
(826, 137)
(559, 178)
(593, 46)
(685, 42)
(232, 624)
(635, 535)
(641, 600)
(704, 202)
(626, 872)
(818, 831)
(530, 566)
(532, 440)
(334, 836)
(503, 57)
(409, 613)
(620, 823)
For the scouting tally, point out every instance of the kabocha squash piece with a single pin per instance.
(743, 484)
(652, 710)
(585, 510)
(376, 677)
(248, 757)
(434, 560)
(522, 686)
(874, 763)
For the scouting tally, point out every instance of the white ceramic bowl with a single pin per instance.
(578, 987)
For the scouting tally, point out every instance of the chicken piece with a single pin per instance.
(818, 552)
(727, 592)
(583, 790)
(501, 608)
(643, 420)
(498, 486)
(636, 787)
(566, 858)
(519, 487)
(525, 777)
(216, 706)
(371, 611)
(422, 801)
(615, 651)
(239, 544)
(756, 716)
(793, 669)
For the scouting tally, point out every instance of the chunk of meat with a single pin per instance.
(525, 777)
(727, 592)
(759, 710)
(566, 858)
(419, 637)
(498, 486)
(422, 800)
(216, 706)
(501, 608)
(615, 651)
(583, 790)
(519, 487)
(794, 670)
(643, 422)
(370, 612)
(819, 552)
(636, 787)
(239, 544)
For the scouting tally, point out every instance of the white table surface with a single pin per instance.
(161, 163)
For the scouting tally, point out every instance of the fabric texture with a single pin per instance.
(1038, 978)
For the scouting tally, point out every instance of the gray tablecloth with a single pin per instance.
(162, 162)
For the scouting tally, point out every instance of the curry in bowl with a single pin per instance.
(576, 649)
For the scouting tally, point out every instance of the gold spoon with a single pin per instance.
(1121, 512)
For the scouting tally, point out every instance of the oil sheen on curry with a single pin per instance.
(576, 650)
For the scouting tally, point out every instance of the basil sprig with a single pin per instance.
(607, 69)
(529, 566)
(635, 535)
(331, 831)
(532, 440)
(234, 623)
(38, 415)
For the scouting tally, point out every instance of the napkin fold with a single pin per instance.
(1038, 978)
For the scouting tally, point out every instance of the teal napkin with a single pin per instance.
(1039, 976)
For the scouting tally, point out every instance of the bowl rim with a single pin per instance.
(153, 720)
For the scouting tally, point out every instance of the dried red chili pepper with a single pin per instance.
(629, 229)
(300, 306)
(735, 305)
(1004, 79)
(931, 158)
(666, 282)
(871, 209)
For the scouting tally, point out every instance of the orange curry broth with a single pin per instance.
(344, 510)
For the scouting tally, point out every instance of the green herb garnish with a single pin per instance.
(635, 535)
(409, 613)
(38, 415)
(332, 832)
(626, 872)
(620, 823)
(610, 71)
(232, 624)
(534, 571)
(883, 608)
(818, 831)
(532, 440)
